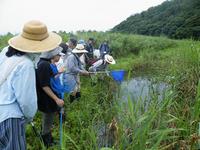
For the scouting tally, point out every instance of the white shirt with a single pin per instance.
(18, 91)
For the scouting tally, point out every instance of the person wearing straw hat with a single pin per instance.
(18, 103)
(101, 64)
(74, 68)
(84, 58)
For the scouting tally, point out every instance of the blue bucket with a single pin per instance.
(117, 75)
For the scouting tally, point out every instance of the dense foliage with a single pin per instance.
(173, 18)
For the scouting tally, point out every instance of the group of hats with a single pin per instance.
(35, 38)
(80, 48)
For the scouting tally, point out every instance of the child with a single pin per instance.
(55, 80)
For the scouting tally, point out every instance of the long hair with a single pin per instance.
(12, 51)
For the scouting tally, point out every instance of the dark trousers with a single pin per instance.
(77, 96)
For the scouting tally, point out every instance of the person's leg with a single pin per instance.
(72, 95)
(78, 95)
(12, 134)
(47, 123)
(71, 98)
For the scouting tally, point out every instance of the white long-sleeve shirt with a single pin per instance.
(99, 65)
(18, 91)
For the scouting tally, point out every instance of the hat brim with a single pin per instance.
(32, 46)
(79, 51)
(61, 54)
(110, 62)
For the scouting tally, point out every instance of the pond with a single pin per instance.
(137, 88)
(142, 88)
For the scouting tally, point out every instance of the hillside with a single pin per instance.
(173, 18)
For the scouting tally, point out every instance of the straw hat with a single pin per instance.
(35, 38)
(109, 59)
(79, 49)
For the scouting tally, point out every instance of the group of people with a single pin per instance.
(36, 71)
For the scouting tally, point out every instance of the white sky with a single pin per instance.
(69, 15)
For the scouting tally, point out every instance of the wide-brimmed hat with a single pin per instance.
(52, 53)
(109, 59)
(79, 49)
(35, 38)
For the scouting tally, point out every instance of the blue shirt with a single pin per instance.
(55, 82)
(18, 91)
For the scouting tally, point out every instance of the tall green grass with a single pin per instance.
(172, 124)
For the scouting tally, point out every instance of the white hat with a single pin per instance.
(109, 59)
(79, 49)
(52, 53)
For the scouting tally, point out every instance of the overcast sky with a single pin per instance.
(69, 15)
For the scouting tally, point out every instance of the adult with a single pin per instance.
(81, 41)
(102, 64)
(71, 44)
(104, 48)
(18, 103)
(84, 58)
(74, 68)
(90, 47)
(49, 92)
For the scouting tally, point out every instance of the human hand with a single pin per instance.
(84, 72)
(62, 69)
(60, 102)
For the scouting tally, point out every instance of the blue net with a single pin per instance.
(117, 75)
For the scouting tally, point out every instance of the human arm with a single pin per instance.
(50, 93)
(73, 67)
(94, 66)
(24, 86)
(44, 75)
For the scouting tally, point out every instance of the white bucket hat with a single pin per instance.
(52, 53)
(109, 59)
(79, 49)
(35, 38)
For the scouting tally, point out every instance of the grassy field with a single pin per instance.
(172, 124)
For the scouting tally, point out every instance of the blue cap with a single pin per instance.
(81, 42)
